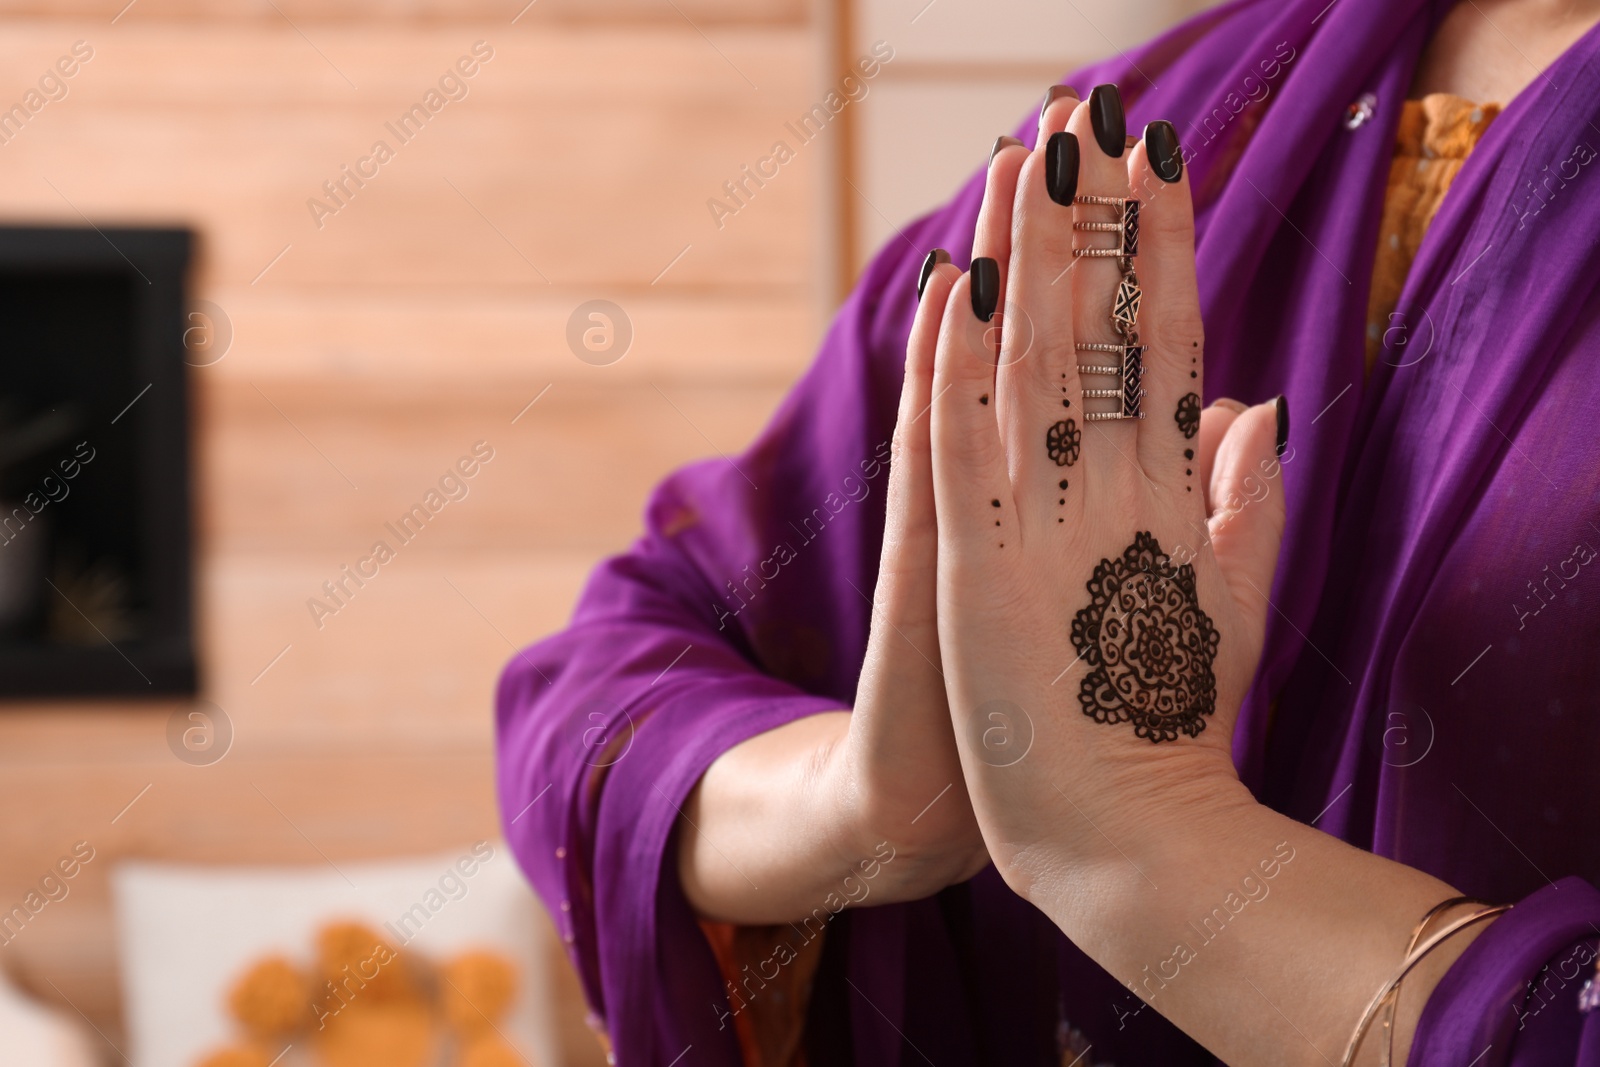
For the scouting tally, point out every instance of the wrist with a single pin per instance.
(1144, 812)
(869, 865)
(912, 817)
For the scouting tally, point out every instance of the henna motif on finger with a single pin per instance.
(1148, 645)
(1061, 442)
(1188, 414)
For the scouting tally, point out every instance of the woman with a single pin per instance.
(747, 872)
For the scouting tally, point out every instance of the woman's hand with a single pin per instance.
(1101, 609)
(796, 809)
(1099, 629)
(895, 773)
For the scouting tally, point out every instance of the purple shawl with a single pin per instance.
(1430, 676)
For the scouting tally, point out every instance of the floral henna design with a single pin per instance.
(1148, 645)
(1062, 441)
(1188, 415)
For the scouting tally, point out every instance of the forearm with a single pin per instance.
(764, 835)
(1260, 937)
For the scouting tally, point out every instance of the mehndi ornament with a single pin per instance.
(1148, 645)
(1129, 366)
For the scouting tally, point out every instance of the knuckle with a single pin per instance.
(1180, 330)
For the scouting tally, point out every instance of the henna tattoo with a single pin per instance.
(1188, 415)
(1061, 443)
(1148, 645)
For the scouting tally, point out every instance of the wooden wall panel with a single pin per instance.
(571, 474)
(420, 318)
(313, 13)
(515, 335)
(607, 146)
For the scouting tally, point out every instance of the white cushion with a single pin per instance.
(186, 933)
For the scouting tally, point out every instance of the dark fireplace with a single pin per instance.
(95, 572)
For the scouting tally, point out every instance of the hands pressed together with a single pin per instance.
(1071, 605)
(1095, 594)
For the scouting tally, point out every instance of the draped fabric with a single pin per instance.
(1429, 686)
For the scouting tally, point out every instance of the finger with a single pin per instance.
(905, 591)
(1108, 446)
(1059, 103)
(1171, 331)
(1247, 527)
(1214, 423)
(991, 239)
(992, 235)
(1039, 406)
(972, 497)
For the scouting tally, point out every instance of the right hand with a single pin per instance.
(778, 821)
(896, 771)
(895, 774)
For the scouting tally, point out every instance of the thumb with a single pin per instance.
(1248, 508)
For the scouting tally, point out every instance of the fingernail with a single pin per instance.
(936, 257)
(1105, 115)
(1161, 145)
(1232, 405)
(1061, 167)
(985, 287)
(1283, 424)
(1054, 93)
(999, 143)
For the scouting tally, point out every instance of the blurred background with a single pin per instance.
(248, 345)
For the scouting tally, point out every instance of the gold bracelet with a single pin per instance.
(1417, 931)
(1413, 958)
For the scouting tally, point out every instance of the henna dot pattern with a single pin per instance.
(1148, 645)
(1188, 414)
(1062, 443)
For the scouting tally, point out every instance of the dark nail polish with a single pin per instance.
(1105, 115)
(1283, 425)
(1000, 142)
(985, 287)
(1054, 93)
(936, 257)
(1061, 167)
(1161, 146)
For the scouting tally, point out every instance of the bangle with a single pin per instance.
(1414, 957)
(1393, 1002)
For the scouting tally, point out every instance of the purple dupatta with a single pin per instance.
(1431, 680)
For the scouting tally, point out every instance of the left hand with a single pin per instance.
(1099, 629)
